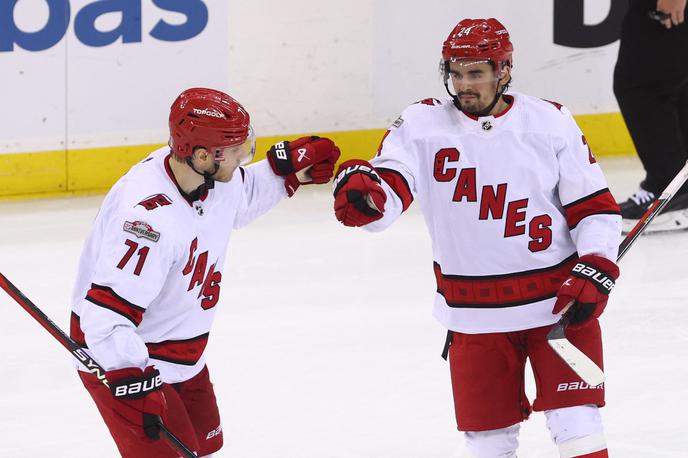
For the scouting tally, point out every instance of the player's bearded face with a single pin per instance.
(474, 83)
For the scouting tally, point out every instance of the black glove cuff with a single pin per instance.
(136, 387)
(279, 156)
(343, 176)
(601, 279)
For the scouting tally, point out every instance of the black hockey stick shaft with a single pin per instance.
(654, 210)
(78, 352)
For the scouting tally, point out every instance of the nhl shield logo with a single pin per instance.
(487, 125)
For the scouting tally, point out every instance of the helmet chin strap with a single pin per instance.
(208, 180)
(207, 176)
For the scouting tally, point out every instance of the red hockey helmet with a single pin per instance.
(485, 39)
(207, 118)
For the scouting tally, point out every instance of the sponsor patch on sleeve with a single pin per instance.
(141, 230)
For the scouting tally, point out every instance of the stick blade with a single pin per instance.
(583, 366)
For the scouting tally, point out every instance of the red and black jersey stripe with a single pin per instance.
(105, 297)
(186, 352)
(500, 291)
(598, 203)
(398, 183)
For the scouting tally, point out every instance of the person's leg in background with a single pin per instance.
(649, 81)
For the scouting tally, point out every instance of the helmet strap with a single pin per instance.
(208, 181)
(206, 175)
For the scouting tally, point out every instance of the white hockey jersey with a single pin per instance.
(150, 273)
(510, 202)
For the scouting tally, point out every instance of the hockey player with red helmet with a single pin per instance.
(521, 222)
(150, 273)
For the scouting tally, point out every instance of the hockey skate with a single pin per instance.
(673, 218)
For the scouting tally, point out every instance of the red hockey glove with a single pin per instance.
(356, 186)
(589, 284)
(287, 158)
(142, 401)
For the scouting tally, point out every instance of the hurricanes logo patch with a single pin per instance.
(141, 229)
(155, 201)
(430, 101)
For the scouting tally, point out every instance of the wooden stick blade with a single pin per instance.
(583, 366)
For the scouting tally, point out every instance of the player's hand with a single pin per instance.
(588, 287)
(675, 9)
(358, 197)
(306, 160)
(142, 402)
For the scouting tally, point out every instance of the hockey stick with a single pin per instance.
(74, 348)
(576, 359)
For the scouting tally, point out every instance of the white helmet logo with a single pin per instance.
(465, 31)
(206, 112)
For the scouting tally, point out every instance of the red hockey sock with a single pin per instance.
(597, 454)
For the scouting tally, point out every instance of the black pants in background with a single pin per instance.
(651, 87)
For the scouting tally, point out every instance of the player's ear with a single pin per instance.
(505, 74)
(201, 153)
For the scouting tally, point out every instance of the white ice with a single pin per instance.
(324, 344)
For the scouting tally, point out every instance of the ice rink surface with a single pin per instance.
(324, 345)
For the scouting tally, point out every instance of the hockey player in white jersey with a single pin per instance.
(521, 222)
(150, 273)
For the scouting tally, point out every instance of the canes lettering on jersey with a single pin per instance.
(210, 279)
(492, 201)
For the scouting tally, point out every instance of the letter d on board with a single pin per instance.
(570, 30)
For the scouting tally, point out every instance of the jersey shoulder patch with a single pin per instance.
(155, 201)
(429, 101)
(557, 105)
(420, 108)
(141, 229)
